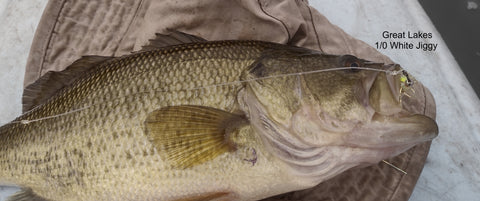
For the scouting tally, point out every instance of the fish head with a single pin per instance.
(321, 112)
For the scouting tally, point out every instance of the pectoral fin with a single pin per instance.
(191, 135)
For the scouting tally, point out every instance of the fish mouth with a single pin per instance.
(411, 124)
(403, 113)
(388, 136)
(385, 132)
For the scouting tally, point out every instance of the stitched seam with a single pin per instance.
(314, 28)
(284, 25)
(49, 40)
(342, 34)
(425, 100)
(135, 15)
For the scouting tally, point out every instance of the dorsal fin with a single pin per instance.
(172, 38)
(49, 84)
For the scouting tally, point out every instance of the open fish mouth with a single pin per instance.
(404, 114)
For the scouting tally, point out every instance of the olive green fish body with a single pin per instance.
(225, 120)
(101, 152)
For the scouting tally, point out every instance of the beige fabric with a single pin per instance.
(70, 29)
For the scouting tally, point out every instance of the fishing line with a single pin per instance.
(390, 72)
(25, 121)
(394, 167)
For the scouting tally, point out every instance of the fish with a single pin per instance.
(190, 119)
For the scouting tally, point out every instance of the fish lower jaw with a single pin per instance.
(374, 155)
(390, 132)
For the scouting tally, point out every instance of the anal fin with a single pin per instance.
(25, 194)
(207, 197)
(190, 135)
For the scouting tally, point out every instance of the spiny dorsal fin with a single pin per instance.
(172, 38)
(190, 135)
(25, 194)
(49, 84)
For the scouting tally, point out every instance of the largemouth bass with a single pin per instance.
(219, 120)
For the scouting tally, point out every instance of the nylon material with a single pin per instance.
(99, 43)
(429, 103)
(373, 183)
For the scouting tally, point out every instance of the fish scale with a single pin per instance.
(197, 121)
(115, 96)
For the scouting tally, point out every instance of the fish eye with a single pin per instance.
(354, 66)
(351, 61)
